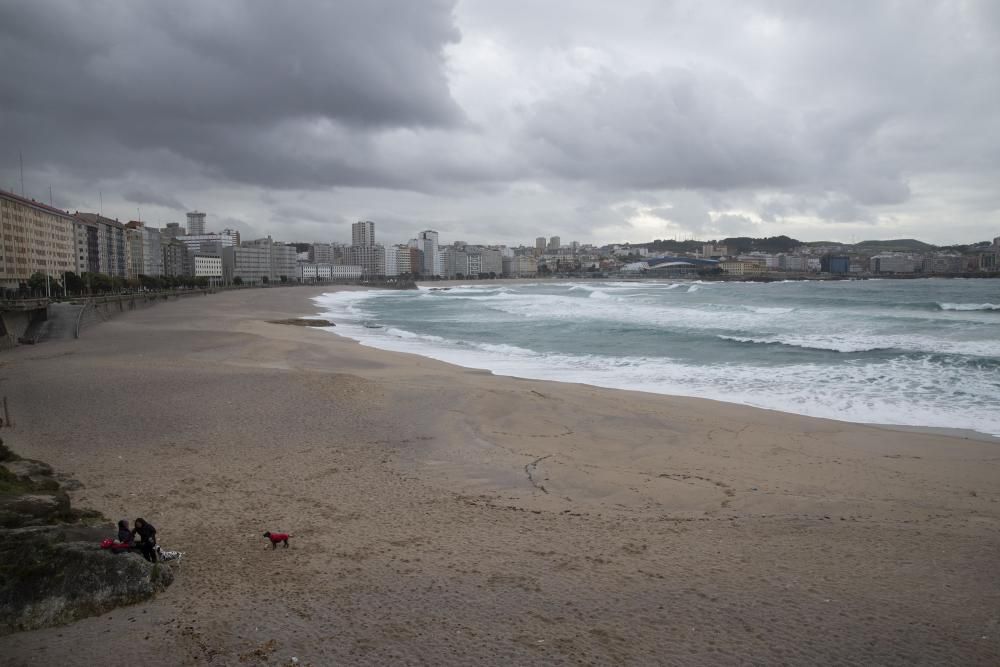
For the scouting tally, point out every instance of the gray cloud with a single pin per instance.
(157, 198)
(504, 121)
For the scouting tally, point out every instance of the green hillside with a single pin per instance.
(893, 245)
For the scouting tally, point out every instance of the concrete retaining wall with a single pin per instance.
(102, 309)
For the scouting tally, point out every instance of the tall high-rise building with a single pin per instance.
(554, 243)
(540, 245)
(196, 223)
(429, 245)
(363, 233)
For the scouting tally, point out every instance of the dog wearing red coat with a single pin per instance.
(277, 538)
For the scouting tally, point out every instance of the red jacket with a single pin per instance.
(278, 537)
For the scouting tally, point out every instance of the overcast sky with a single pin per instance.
(499, 121)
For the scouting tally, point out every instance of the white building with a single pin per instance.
(363, 233)
(308, 273)
(208, 266)
(199, 242)
(403, 257)
(392, 259)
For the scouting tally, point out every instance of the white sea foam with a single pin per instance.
(763, 310)
(969, 306)
(944, 375)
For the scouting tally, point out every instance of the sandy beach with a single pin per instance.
(448, 516)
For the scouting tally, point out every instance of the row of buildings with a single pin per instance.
(984, 260)
(836, 260)
(39, 239)
(421, 256)
(36, 238)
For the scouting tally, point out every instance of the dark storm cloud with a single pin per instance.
(672, 129)
(506, 120)
(244, 89)
(157, 198)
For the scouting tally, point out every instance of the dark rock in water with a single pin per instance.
(58, 574)
(305, 322)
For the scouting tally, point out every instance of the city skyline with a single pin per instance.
(859, 121)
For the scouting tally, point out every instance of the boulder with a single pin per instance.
(53, 575)
(33, 509)
(36, 471)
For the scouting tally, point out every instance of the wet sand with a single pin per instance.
(446, 516)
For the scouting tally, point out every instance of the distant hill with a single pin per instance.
(770, 244)
(893, 245)
(734, 244)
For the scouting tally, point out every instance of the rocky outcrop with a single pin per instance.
(52, 568)
(51, 575)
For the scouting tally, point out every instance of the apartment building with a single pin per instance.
(34, 238)
(112, 258)
(371, 259)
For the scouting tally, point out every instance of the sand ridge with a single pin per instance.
(445, 516)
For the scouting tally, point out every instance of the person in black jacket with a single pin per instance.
(124, 533)
(147, 539)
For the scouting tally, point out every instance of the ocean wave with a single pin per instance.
(918, 391)
(969, 306)
(827, 345)
(858, 344)
(762, 310)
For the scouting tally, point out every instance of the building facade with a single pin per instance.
(196, 223)
(892, 264)
(172, 230)
(208, 266)
(371, 259)
(145, 250)
(176, 258)
(87, 254)
(112, 256)
(308, 273)
(250, 263)
(34, 238)
(428, 245)
(520, 266)
(321, 253)
(363, 233)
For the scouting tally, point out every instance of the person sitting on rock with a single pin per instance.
(147, 539)
(124, 534)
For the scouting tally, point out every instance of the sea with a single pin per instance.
(922, 352)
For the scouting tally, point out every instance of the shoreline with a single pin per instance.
(427, 355)
(450, 516)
